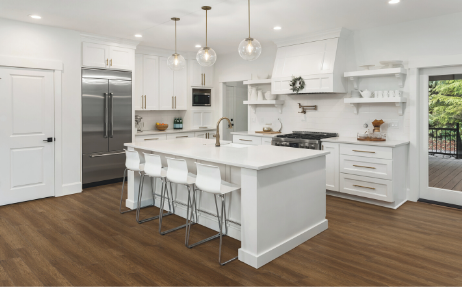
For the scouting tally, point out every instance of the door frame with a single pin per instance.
(222, 90)
(415, 67)
(57, 67)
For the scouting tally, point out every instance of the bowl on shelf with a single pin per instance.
(161, 127)
(270, 96)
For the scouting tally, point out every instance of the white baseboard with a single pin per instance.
(70, 188)
(258, 261)
(392, 205)
(206, 220)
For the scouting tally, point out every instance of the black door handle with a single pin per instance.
(49, 140)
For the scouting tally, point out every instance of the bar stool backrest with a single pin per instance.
(132, 160)
(208, 178)
(177, 171)
(152, 165)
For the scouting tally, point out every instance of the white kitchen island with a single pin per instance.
(281, 204)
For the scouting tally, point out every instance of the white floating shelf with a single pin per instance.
(355, 102)
(277, 103)
(399, 73)
(257, 82)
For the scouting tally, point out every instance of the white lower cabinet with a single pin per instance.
(248, 140)
(364, 186)
(205, 135)
(332, 165)
(150, 138)
(180, 136)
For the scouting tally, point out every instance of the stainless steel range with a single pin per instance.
(306, 140)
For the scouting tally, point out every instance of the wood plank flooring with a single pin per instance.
(445, 173)
(82, 240)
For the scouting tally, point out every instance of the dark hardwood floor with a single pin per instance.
(82, 240)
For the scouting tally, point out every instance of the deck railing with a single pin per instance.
(445, 141)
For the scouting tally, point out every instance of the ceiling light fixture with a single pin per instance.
(249, 49)
(394, 1)
(277, 28)
(35, 16)
(198, 46)
(176, 61)
(206, 56)
(138, 35)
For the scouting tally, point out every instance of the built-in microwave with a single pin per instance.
(201, 97)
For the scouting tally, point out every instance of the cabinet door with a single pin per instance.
(139, 93)
(201, 119)
(95, 55)
(121, 58)
(195, 74)
(201, 135)
(166, 85)
(180, 89)
(208, 76)
(151, 81)
(332, 165)
(207, 119)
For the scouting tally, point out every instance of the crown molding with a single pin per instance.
(120, 42)
(312, 37)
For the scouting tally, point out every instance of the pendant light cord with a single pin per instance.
(249, 18)
(206, 28)
(175, 36)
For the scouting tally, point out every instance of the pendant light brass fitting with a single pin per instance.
(206, 8)
(175, 19)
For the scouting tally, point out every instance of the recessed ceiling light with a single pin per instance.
(198, 46)
(35, 16)
(277, 28)
(138, 35)
(394, 1)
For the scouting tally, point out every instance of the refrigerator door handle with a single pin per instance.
(106, 114)
(112, 114)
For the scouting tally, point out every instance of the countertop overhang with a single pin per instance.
(251, 157)
(246, 133)
(172, 131)
(373, 143)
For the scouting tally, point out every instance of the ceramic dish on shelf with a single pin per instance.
(367, 67)
(391, 64)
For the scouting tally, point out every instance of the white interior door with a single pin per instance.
(452, 166)
(27, 120)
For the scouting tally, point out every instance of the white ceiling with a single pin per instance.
(227, 19)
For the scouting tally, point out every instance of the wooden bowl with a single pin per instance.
(161, 127)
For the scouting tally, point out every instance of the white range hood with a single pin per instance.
(318, 58)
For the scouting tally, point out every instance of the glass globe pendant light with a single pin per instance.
(206, 56)
(249, 49)
(176, 62)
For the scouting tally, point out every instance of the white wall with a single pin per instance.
(37, 41)
(403, 41)
(150, 118)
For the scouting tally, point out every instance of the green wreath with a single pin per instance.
(297, 84)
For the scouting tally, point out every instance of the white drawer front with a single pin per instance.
(150, 138)
(373, 167)
(367, 151)
(180, 136)
(266, 141)
(374, 188)
(249, 140)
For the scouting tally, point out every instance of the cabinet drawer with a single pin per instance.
(366, 151)
(249, 140)
(150, 138)
(365, 166)
(266, 141)
(179, 136)
(374, 188)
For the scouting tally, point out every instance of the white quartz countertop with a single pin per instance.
(171, 131)
(251, 157)
(355, 141)
(255, 134)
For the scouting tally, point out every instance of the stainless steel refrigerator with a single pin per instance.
(106, 124)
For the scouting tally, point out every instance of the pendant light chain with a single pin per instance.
(206, 28)
(249, 18)
(175, 36)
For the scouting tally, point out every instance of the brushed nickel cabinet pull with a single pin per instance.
(242, 140)
(182, 137)
(204, 79)
(175, 102)
(141, 104)
(111, 62)
(172, 102)
(145, 101)
(364, 166)
(364, 187)
(153, 139)
(364, 151)
(107, 62)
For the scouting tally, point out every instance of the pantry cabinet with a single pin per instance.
(200, 76)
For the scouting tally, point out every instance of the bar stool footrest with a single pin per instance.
(204, 240)
(153, 218)
(174, 229)
(222, 264)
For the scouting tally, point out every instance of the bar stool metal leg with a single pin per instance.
(223, 214)
(140, 193)
(172, 207)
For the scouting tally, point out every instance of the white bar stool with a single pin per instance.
(153, 169)
(177, 172)
(209, 180)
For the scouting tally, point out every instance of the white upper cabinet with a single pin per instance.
(95, 55)
(166, 85)
(200, 76)
(180, 89)
(107, 56)
(139, 80)
(151, 82)
(121, 58)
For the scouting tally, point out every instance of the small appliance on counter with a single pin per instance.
(375, 135)
(302, 139)
(139, 124)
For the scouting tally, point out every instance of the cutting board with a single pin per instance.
(268, 133)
